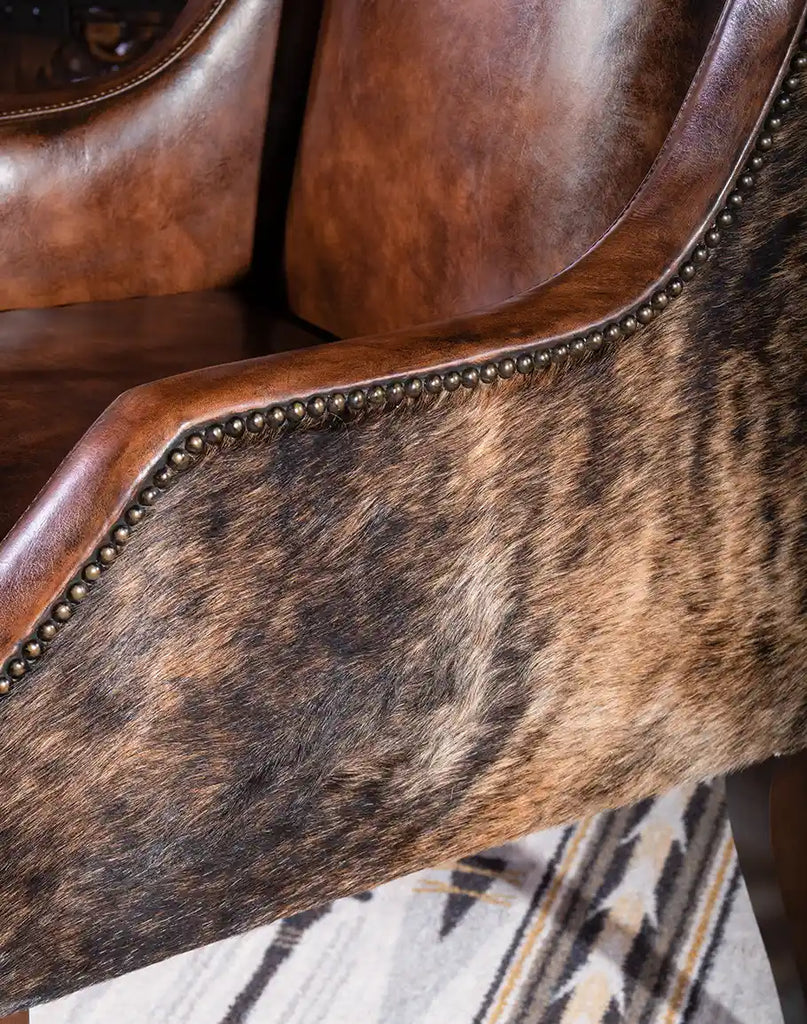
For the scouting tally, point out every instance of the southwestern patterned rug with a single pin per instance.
(638, 916)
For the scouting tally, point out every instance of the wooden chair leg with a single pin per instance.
(768, 811)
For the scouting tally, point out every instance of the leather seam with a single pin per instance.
(125, 86)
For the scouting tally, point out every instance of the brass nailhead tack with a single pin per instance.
(164, 477)
(181, 460)
(32, 650)
(336, 403)
(687, 271)
(644, 314)
(62, 612)
(612, 333)
(524, 363)
(675, 287)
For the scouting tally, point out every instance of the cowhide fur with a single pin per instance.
(339, 655)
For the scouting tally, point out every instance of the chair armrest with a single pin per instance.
(309, 622)
(714, 136)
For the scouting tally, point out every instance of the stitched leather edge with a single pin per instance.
(126, 84)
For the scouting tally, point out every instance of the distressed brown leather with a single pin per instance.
(60, 368)
(711, 139)
(455, 154)
(151, 190)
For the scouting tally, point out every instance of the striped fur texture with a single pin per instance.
(351, 652)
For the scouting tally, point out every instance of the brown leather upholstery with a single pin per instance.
(60, 368)
(712, 137)
(455, 154)
(149, 190)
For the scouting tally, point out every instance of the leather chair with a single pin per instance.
(283, 616)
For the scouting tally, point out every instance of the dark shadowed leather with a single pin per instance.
(712, 137)
(60, 368)
(455, 154)
(151, 191)
(38, 67)
(195, 17)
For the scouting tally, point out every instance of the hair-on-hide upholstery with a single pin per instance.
(346, 653)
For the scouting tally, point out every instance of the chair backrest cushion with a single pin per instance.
(457, 153)
(147, 184)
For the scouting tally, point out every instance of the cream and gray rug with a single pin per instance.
(634, 917)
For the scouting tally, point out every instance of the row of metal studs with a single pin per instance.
(390, 395)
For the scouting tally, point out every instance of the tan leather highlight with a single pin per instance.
(153, 192)
(712, 137)
(455, 154)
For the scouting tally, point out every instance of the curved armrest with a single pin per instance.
(712, 138)
(367, 607)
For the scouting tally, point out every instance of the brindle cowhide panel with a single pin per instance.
(346, 653)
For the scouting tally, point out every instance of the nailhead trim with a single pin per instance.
(378, 396)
